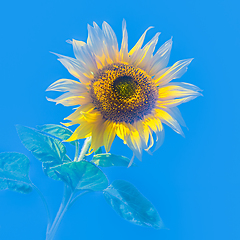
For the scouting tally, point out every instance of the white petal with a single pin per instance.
(131, 162)
(176, 71)
(175, 113)
(84, 55)
(187, 86)
(144, 58)
(75, 68)
(95, 43)
(98, 45)
(169, 120)
(161, 58)
(124, 47)
(67, 85)
(70, 99)
(159, 139)
(110, 41)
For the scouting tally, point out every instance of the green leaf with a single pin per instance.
(50, 151)
(110, 160)
(57, 131)
(82, 175)
(47, 168)
(14, 170)
(131, 205)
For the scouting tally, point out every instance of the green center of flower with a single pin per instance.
(124, 86)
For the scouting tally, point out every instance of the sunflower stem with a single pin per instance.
(85, 148)
(45, 205)
(68, 194)
(67, 198)
(76, 150)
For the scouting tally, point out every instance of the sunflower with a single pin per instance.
(121, 93)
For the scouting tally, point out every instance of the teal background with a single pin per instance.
(193, 181)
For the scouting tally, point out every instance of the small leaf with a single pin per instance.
(131, 205)
(50, 151)
(82, 175)
(57, 131)
(14, 170)
(110, 160)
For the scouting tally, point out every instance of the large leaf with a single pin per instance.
(131, 205)
(110, 160)
(82, 175)
(14, 170)
(50, 151)
(57, 131)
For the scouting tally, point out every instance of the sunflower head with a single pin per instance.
(123, 93)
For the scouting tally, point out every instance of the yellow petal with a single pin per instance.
(97, 134)
(143, 131)
(78, 113)
(176, 71)
(173, 102)
(169, 120)
(134, 141)
(109, 135)
(139, 44)
(91, 116)
(83, 131)
(122, 131)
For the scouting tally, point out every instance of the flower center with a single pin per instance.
(124, 86)
(123, 93)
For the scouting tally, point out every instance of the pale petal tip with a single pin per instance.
(52, 100)
(131, 162)
(58, 55)
(69, 41)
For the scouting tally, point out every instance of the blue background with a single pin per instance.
(193, 182)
